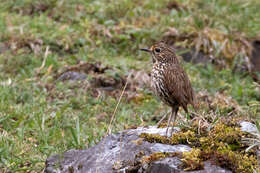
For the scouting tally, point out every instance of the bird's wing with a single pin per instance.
(179, 86)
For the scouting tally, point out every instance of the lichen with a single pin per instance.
(222, 145)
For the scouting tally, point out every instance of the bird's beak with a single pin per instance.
(145, 49)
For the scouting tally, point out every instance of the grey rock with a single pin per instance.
(248, 127)
(251, 128)
(119, 153)
(3, 48)
(151, 130)
(72, 76)
(169, 165)
(195, 57)
(157, 147)
(255, 59)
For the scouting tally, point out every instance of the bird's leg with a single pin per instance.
(169, 121)
(175, 110)
(164, 116)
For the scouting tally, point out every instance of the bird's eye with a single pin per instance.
(157, 50)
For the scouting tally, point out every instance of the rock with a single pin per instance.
(248, 127)
(120, 153)
(255, 59)
(168, 165)
(151, 130)
(3, 48)
(71, 75)
(195, 57)
(141, 79)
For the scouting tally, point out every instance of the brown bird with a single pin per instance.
(169, 81)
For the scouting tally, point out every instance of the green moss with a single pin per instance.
(186, 137)
(155, 138)
(222, 145)
(191, 160)
(157, 156)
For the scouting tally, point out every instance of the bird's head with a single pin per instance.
(161, 52)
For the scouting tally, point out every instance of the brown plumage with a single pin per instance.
(169, 81)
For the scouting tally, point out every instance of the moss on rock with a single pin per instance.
(222, 145)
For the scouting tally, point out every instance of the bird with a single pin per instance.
(169, 81)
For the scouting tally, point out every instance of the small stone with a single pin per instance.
(71, 75)
(248, 127)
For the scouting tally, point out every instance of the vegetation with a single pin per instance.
(41, 113)
(222, 145)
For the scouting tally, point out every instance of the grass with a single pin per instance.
(36, 121)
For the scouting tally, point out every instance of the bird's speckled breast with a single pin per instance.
(158, 82)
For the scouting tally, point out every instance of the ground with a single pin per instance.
(43, 113)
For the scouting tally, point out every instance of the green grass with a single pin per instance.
(36, 122)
